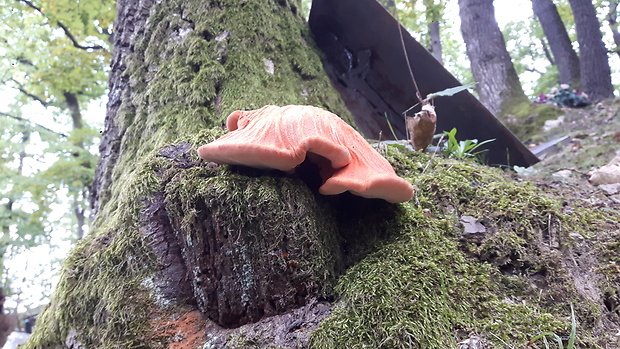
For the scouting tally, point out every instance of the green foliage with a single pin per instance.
(54, 56)
(449, 91)
(24, 202)
(41, 59)
(463, 149)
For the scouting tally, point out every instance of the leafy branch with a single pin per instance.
(63, 27)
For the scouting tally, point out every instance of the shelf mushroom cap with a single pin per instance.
(282, 137)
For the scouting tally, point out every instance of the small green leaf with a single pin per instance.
(449, 91)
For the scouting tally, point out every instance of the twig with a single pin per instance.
(402, 42)
(32, 123)
(434, 153)
(36, 98)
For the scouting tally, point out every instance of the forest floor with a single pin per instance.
(593, 140)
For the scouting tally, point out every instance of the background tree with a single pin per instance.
(595, 71)
(612, 19)
(564, 56)
(434, 16)
(51, 68)
(498, 85)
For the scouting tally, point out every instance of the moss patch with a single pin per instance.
(195, 62)
(427, 285)
(526, 119)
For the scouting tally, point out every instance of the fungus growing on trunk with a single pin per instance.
(282, 137)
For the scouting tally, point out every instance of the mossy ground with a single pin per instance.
(526, 119)
(427, 287)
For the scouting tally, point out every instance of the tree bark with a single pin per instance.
(564, 55)
(612, 19)
(595, 71)
(497, 81)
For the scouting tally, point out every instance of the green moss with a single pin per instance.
(270, 212)
(189, 72)
(401, 296)
(425, 286)
(526, 119)
(103, 295)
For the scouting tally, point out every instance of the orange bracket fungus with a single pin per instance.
(282, 137)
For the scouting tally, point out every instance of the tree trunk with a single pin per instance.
(229, 245)
(564, 55)
(434, 15)
(436, 49)
(498, 85)
(79, 199)
(612, 19)
(595, 71)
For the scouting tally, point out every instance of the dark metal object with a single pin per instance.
(550, 147)
(365, 60)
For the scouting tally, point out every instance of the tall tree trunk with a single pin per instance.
(244, 247)
(434, 15)
(78, 123)
(612, 19)
(564, 55)
(595, 71)
(435, 48)
(497, 81)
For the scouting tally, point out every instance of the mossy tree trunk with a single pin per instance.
(236, 247)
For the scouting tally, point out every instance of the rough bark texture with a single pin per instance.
(595, 71)
(180, 67)
(564, 56)
(131, 16)
(262, 253)
(497, 81)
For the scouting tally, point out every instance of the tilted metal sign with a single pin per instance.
(365, 60)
